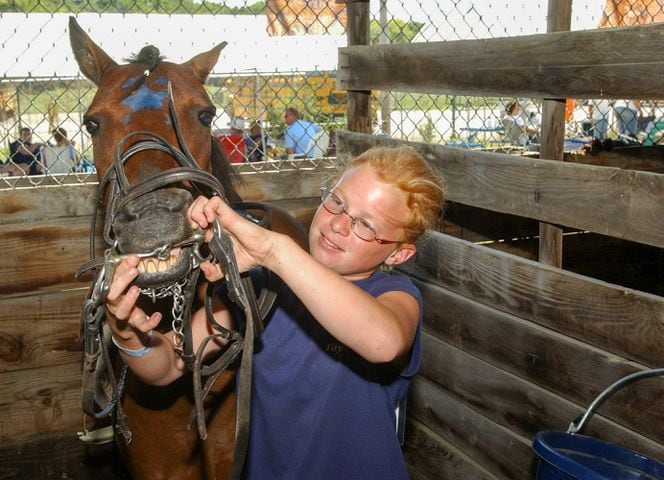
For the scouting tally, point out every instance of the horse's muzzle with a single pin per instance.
(154, 222)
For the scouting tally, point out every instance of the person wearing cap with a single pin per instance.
(233, 144)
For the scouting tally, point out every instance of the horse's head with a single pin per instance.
(166, 112)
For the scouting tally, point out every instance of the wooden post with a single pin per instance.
(552, 138)
(358, 107)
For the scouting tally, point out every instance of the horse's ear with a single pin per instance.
(203, 63)
(91, 59)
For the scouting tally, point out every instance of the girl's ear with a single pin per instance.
(401, 254)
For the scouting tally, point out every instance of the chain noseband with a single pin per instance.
(115, 187)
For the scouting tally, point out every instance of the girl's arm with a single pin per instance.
(379, 329)
(133, 329)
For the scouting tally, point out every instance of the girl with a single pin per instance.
(343, 340)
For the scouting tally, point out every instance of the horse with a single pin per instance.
(620, 13)
(150, 117)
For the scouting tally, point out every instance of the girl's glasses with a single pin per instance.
(359, 226)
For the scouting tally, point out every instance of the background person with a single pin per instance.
(517, 124)
(24, 154)
(627, 115)
(233, 144)
(256, 143)
(61, 157)
(301, 136)
(599, 112)
(343, 341)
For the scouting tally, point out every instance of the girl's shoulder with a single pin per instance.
(382, 282)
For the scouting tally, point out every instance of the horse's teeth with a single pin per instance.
(151, 267)
(141, 267)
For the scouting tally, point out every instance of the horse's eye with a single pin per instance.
(206, 118)
(91, 126)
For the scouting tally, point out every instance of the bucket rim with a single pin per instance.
(547, 453)
(546, 446)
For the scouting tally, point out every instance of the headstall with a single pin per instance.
(102, 388)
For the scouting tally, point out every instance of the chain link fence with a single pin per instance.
(511, 124)
(281, 54)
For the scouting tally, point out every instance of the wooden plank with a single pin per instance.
(514, 403)
(61, 456)
(358, 101)
(618, 203)
(44, 252)
(285, 184)
(39, 401)
(40, 330)
(43, 255)
(503, 453)
(550, 65)
(40, 203)
(564, 366)
(631, 158)
(429, 456)
(552, 138)
(619, 320)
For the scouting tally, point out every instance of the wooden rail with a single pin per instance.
(609, 63)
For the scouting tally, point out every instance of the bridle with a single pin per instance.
(98, 373)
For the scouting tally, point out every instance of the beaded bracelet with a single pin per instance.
(138, 352)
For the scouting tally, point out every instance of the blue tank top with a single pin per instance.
(319, 411)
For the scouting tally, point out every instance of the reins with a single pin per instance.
(98, 373)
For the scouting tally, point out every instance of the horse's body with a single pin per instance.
(134, 97)
(622, 13)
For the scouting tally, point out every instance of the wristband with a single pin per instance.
(138, 352)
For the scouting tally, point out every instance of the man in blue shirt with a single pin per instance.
(300, 137)
(24, 154)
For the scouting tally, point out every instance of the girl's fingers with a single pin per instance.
(121, 282)
(125, 306)
(142, 322)
(195, 213)
(212, 271)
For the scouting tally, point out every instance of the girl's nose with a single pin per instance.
(341, 224)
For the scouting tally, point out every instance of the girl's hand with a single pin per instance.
(252, 244)
(126, 319)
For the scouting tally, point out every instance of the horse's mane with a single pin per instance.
(148, 56)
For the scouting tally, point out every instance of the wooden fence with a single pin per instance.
(44, 232)
(515, 346)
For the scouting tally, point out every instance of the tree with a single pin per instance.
(398, 31)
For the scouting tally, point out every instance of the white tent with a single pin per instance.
(37, 45)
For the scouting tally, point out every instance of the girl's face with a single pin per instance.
(332, 241)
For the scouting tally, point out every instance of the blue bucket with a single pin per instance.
(564, 456)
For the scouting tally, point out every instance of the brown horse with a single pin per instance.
(141, 97)
(624, 13)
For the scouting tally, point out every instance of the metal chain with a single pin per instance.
(177, 311)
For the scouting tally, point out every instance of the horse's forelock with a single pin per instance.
(148, 56)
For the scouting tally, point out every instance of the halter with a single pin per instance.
(115, 186)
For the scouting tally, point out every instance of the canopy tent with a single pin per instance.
(37, 45)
